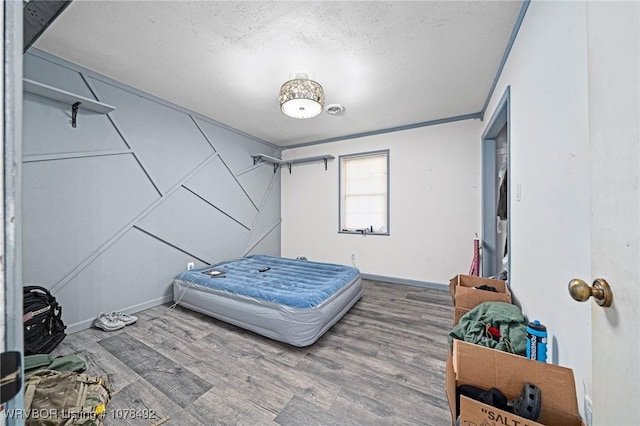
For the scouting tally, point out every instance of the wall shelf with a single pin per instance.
(277, 162)
(75, 101)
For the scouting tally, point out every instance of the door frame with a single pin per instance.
(11, 190)
(501, 117)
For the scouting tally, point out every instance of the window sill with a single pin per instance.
(363, 233)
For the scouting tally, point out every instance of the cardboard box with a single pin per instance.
(485, 368)
(465, 297)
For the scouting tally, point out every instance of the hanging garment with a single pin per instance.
(502, 197)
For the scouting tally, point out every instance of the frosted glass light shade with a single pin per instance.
(301, 98)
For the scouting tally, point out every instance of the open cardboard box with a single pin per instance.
(465, 297)
(471, 364)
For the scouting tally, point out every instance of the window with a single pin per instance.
(364, 193)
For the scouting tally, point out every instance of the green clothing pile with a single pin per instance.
(507, 318)
(39, 362)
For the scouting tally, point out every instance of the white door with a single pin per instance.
(614, 136)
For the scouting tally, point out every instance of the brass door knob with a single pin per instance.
(580, 291)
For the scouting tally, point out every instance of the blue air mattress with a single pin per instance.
(289, 300)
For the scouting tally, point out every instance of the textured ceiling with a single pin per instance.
(389, 63)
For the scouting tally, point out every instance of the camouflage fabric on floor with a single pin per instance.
(54, 398)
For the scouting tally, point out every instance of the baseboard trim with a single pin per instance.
(83, 325)
(405, 281)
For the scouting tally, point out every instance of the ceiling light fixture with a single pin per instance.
(301, 97)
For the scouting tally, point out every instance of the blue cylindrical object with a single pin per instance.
(537, 341)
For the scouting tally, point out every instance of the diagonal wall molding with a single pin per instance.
(239, 183)
(274, 179)
(217, 208)
(122, 134)
(71, 155)
(124, 230)
(262, 237)
(170, 244)
(252, 168)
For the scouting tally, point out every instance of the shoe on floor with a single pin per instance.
(125, 318)
(108, 322)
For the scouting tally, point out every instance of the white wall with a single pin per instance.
(550, 237)
(434, 204)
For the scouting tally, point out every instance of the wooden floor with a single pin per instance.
(383, 363)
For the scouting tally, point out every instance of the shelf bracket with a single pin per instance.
(289, 165)
(74, 113)
(325, 163)
(275, 167)
(255, 160)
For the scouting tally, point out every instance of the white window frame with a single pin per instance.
(342, 196)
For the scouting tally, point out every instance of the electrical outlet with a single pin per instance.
(588, 410)
(190, 266)
(353, 256)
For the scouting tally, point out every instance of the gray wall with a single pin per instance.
(115, 208)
